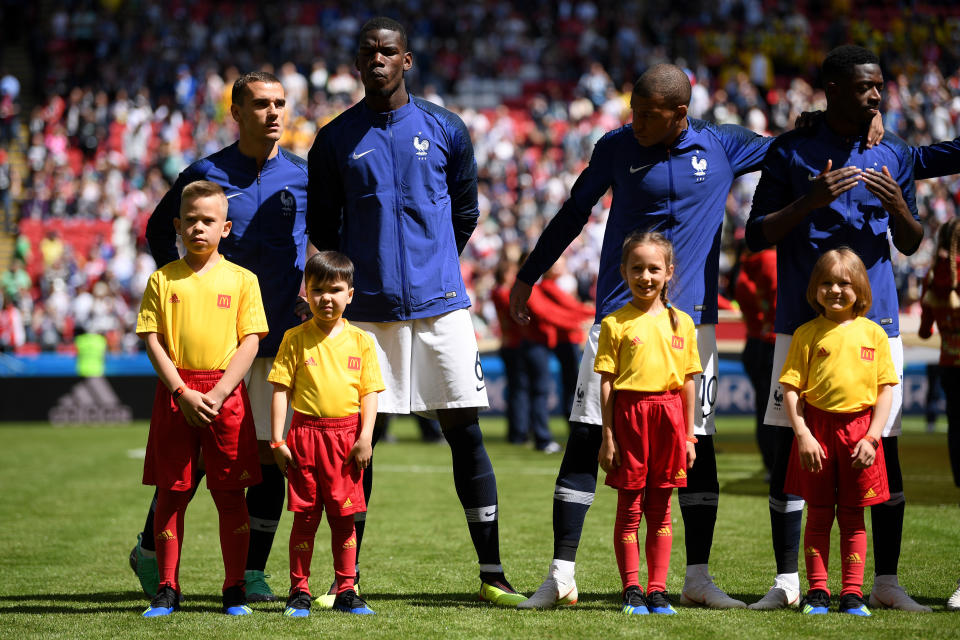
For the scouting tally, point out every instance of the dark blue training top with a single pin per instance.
(936, 160)
(856, 219)
(680, 191)
(268, 212)
(397, 193)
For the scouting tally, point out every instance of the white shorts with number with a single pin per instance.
(428, 364)
(586, 399)
(776, 414)
(260, 391)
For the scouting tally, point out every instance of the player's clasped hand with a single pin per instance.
(863, 455)
(197, 408)
(882, 185)
(829, 185)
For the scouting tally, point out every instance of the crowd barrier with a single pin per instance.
(45, 388)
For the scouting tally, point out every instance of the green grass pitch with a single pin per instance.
(71, 503)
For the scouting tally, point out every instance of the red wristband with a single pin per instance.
(873, 442)
(177, 393)
(692, 439)
(277, 445)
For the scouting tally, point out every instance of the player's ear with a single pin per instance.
(669, 273)
(407, 61)
(176, 224)
(235, 112)
(227, 226)
(349, 295)
(681, 113)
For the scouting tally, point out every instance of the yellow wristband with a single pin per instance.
(277, 445)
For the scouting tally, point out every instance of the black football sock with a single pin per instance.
(575, 488)
(476, 487)
(887, 518)
(265, 504)
(698, 502)
(786, 511)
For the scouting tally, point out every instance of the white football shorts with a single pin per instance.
(260, 391)
(428, 364)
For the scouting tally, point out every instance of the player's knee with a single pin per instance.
(457, 418)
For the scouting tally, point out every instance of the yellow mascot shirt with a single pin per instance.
(839, 368)
(202, 318)
(328, 376)
(643, 351)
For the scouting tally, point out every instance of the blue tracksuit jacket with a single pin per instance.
(268, 211)
(397, 193)
(680, 191)
(856, 219)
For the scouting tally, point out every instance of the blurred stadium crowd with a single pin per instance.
(123, 95)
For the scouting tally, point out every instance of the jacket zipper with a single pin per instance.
(398, 210)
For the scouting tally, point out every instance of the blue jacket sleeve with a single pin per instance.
(936, 160)
(462, 184)
(572, 216)
(161, 236)
(745, 149)
(325, 194)
(904, 177)
(772, 194)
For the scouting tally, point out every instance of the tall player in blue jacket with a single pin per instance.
(266, 189)
(393, 184)
(672, 174)
(818, 192)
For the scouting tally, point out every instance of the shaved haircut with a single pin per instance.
(666, 81)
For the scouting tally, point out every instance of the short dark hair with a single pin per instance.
(328, 266)
(840, 62)
(240, 86)
(387, 24)
(666, 81)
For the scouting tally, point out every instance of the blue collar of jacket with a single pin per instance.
(843, 142)
(685, 139)
(388, 117)
(249, 164)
